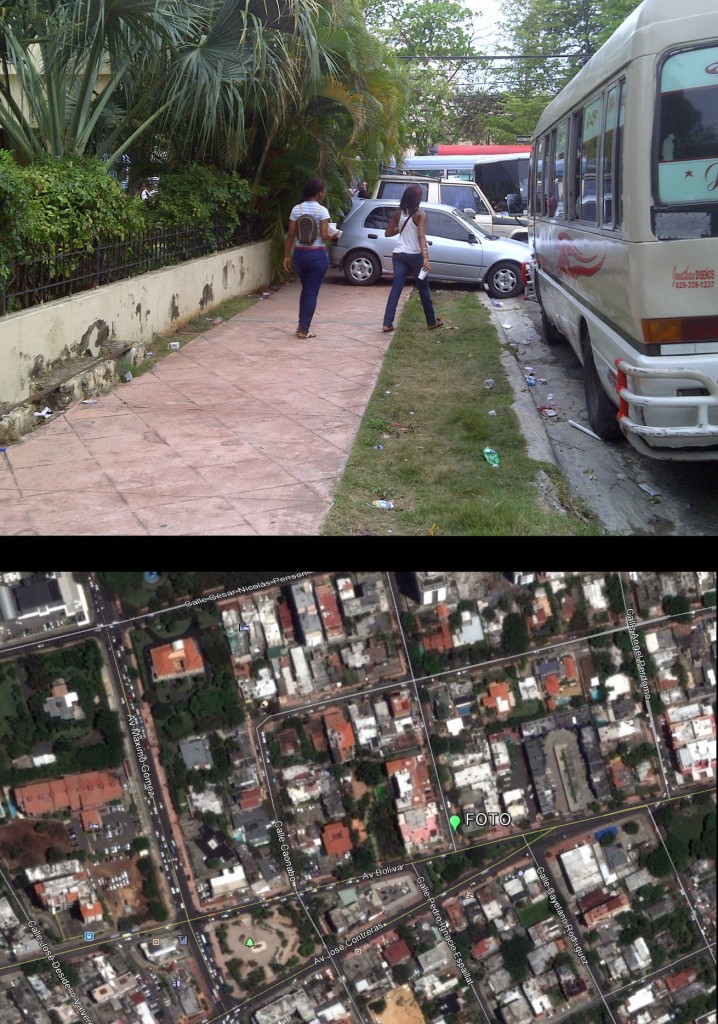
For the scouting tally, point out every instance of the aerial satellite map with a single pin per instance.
(357, 797)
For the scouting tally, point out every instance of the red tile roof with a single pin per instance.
(86, 791)
(340, 734)
(182, 657)
(91, 818)
(400, 704)
(569, 667)
(552, 685)
(337, 839)
(397, 953)
(497, 692)
(327, 601)
(680, 980)
(285, 620)
(90, 911)
(250, 798)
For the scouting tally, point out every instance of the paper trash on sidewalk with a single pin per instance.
(45, 413)
(650, 490)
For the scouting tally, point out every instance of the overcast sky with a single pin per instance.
(489, 23)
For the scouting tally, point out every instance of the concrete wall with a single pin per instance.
(36, 340)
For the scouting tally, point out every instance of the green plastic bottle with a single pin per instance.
(492, 458)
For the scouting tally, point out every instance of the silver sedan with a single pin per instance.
(459, 250)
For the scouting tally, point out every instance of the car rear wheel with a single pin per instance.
(362, 267)
(503, 281)
(602, 413)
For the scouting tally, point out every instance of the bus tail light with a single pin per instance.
(680, 329)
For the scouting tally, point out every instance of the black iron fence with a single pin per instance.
(57, 273)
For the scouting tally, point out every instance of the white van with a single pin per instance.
(462, 195)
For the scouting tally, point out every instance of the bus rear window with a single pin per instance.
(688, 128)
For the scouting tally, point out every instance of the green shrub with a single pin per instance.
(64, 203)
(74, 202)
(15, 217)
(196, 194)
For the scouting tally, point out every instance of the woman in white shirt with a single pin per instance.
(411, 256)
(310, 261)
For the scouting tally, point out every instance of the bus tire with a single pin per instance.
(602, 413)
(551, 333)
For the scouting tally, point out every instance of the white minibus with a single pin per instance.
(624, 214)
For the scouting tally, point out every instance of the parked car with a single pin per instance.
(462, 195)
(459, 249)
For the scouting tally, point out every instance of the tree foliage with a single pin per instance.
(427, 29)
(514, 633)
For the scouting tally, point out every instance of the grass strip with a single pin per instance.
(430, 413)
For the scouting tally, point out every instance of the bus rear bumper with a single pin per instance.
(690, 430)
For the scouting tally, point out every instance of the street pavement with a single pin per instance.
(676, 499)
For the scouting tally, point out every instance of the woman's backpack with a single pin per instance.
(306, 230)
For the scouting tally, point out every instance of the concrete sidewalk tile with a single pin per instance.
(65, 448)
(187, 515)
(15, 518)
(239, 528)
(324, 487)
(315, 450)
(248, 475)
(327, 467)
(203, 454)
(107, 426)
(62, 482)
(131, 475)
(289, 520)
(292, 494)
(353, 398)
(245, 430)
(84, 524)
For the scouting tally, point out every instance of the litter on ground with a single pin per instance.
(492, 458)
(585, 430)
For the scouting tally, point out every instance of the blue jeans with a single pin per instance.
(310, 266)
(406, 263)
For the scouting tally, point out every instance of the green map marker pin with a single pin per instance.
(249, 942)
(454, 821)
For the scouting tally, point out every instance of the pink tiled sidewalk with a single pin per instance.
(244, 431)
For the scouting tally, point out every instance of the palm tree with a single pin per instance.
(94, 76)
(352, 112)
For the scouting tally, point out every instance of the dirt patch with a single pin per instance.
(401, 1008)
(22, 846)
(129, 895)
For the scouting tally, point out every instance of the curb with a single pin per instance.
(538, 444)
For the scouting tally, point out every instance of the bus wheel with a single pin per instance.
(602, 413)
(551, 333)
